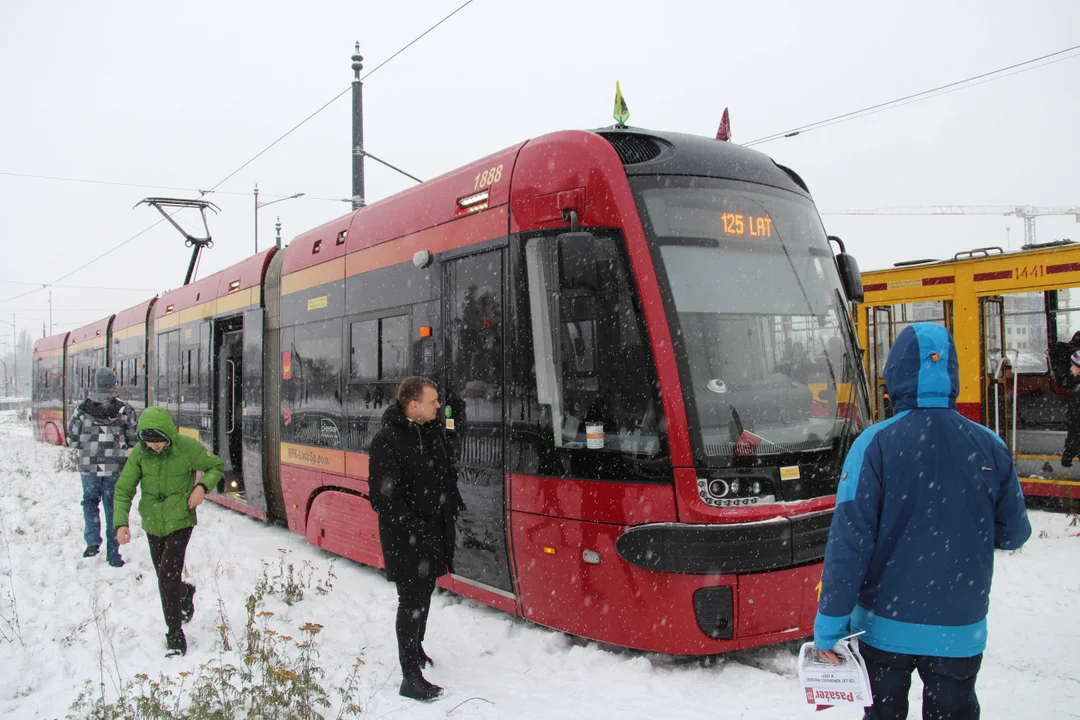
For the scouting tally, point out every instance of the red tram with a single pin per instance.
(643, 348)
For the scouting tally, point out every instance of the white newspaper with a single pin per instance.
(826, 684)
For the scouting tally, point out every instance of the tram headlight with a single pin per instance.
(734, 485)
(755, 487)
(718, 488)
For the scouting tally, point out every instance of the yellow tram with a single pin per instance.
(1014, 316)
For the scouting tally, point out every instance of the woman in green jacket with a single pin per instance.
(165, 463)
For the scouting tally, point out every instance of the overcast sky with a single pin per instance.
(180, 95)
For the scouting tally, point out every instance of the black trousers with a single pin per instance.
(168, 556)
(1072, 443)
(948, 685)
(414, 602)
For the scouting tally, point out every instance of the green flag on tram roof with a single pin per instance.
(622, 112)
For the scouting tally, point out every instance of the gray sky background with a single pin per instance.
(180, 95)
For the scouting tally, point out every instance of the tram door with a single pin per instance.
(882, 335)
(229, 401)
(472, 391)
(996, 401)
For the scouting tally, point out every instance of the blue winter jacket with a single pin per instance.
(924, 499)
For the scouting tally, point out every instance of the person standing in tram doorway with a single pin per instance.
(924, 500)
(413, 488)
(164, 463)
(102, 430)
(1072, 438)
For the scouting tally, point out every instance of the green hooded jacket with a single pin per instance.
(167, 478)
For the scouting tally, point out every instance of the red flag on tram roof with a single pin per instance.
(724, 132)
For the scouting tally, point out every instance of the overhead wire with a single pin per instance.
(213, 188)
(157, 187)
(336, 97)
(77, 287)
(925, 94)
(94, 182)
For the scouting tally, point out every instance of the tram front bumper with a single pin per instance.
(693, 549)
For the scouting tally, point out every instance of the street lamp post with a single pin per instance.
(259, 206)
(15, 350)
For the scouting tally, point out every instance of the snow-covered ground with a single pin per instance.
(493, 665)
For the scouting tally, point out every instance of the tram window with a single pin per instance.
(311, 393)
(905, 314)
(168, 368)
(380, 348)
(1026, 337)
(365, 349)
(394, 347)
(1064, 308)
(316, 360)
(591, 363)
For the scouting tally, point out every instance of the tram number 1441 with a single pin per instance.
(1033, 271)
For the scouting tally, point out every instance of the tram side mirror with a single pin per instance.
(565, 242)
(848, 267)
(850, 277)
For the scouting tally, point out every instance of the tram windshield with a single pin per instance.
(766, 350)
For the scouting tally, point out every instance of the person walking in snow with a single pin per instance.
(102, 429)
(1072, 437)
(413, 488)
(924, 500)
(165, 462)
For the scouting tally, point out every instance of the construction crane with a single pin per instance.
(1026, 212)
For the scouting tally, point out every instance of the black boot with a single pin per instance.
(425, 661)
(1066, 461)
(176, 643)
(187, 605)
(91, 550)
(417, 688)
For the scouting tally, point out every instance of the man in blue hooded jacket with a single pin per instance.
(924, 499)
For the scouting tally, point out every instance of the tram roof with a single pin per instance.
(96, 329)
(243, 275)
(985, 254)
(701, 156)
(133, 315)
(52, 342)
(437, 201)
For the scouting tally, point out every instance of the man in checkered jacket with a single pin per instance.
(103, 431)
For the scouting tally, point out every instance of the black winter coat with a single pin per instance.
(1073, 415)
(413, 488)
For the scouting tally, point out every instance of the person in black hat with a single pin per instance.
(102, 430)
(1060, 354)
(1072, 438)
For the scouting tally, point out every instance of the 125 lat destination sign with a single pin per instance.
(746, 225)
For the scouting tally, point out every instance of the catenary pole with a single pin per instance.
(358, 131)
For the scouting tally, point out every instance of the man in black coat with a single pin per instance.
(413, 488)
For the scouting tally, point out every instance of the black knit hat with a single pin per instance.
(150, 435)
(104, 379)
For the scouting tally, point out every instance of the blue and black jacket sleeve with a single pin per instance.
(1011, 525)
(852, 538)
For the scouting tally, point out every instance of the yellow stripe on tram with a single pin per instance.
(1049, 481)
